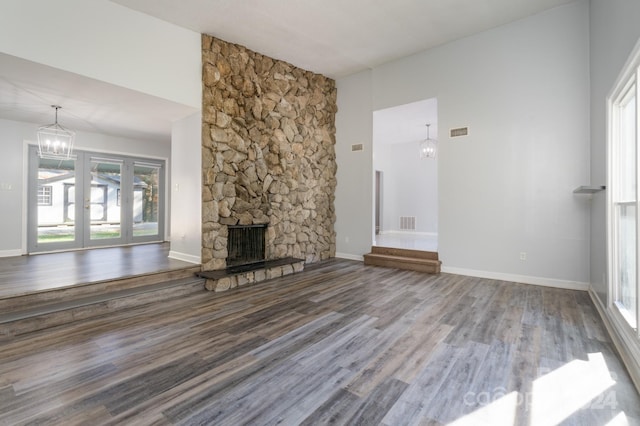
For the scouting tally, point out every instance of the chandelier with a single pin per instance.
(428, 148)
(54, 141)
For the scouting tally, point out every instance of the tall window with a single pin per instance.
(623, 194)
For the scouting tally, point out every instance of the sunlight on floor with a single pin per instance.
(501, 411)
(555, 397)
(577, 384)
(619, 420)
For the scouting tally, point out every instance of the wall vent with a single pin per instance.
(458, 131)
(357, 147)
(407, 223)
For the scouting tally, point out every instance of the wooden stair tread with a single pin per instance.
(61, 295)
(413, 260)
(50, 308)
(411, 253)
(36, 311)
(402, 258)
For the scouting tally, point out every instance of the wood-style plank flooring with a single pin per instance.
(340, 343)
(31, 274)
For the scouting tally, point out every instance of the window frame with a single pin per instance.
(628, 80)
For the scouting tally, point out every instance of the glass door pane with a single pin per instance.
(103, 200)
(146, 199)
(56, 201)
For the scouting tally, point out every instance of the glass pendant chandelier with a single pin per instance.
(428, 147)
(55, 141)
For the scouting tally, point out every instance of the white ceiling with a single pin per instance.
(339, 37)
(332, 37)
(28, 89)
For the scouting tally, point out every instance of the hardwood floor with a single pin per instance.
(31, 274)
(340, 343)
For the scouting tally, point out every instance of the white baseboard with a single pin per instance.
(11, 253)
(421, 234)
(525, 279)
(184, 257)
(629, 355)
(350, 256)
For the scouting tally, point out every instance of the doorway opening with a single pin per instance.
(406, 185)
(94, 200)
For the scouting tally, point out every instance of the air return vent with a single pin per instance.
(357, 147)
(407, 223)
(458, 131)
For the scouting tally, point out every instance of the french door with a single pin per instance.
(92, 200)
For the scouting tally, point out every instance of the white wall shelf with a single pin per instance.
(589, 189)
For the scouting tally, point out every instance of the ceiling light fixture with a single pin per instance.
(54, 141)
(428, 148)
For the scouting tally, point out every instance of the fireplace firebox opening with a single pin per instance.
(246, 244)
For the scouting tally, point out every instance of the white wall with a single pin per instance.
(354, 192)
(107, 42)
(614, 31)
(186, 189)
(409, 186)
(13, 169)
(12, 186)
(523, 89)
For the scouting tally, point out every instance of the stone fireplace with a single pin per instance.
(268, 157)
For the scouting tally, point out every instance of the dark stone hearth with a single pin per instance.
(234, 270)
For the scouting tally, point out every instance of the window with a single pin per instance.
(44, 195)
(624, 209)
(623, 219)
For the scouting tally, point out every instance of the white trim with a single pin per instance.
(10, 253)
(524, 279)
(630, 67)
(184, 257)
(423, 234)
(629, 353)
(627, 337)
(25, 192)
(350, 256)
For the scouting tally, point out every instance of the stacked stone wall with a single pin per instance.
(268, 156)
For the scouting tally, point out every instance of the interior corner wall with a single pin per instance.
(506, 189)
(354, 192)
(105, 41)
(614, 31)
(186, 189)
